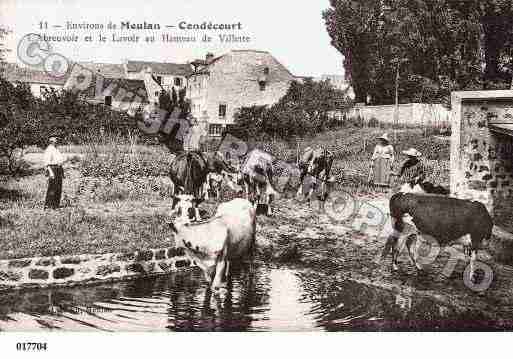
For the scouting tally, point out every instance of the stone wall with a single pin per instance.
(233, 81)
(44, 271)
(410, 114)
(481, 159)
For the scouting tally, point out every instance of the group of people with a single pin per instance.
(412, 171)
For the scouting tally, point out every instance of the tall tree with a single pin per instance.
(440, 45)
(494, 19)
(354, 27)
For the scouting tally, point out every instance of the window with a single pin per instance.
(178, 81)
(222, 110)
(215, 129)
(108, 100)
(262, 85)
(266, 71)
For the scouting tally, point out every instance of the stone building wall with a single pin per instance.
(481, 159)
(233, 81)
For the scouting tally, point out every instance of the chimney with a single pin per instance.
(209, 57)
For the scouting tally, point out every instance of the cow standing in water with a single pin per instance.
(316, 163)
(214, 245)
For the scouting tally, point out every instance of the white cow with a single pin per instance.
(213, 245)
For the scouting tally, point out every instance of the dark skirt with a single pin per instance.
(381, 171)
(54, 193)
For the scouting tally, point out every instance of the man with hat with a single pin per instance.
(382, 160)
(53, 161)
(413, 171)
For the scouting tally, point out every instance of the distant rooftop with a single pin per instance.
(105, 69)
(13, 73)
(165, 68)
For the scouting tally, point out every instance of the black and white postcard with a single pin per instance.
(254, 166)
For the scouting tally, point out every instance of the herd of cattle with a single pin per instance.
(228, 236)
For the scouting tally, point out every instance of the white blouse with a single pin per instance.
(52, 156)
(383, 152)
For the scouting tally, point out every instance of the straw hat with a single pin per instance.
(384, 137)
(412, 152)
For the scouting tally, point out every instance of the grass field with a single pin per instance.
(116, 195)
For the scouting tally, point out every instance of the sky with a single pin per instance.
(293, 31)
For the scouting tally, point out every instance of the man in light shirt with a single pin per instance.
(53, 161)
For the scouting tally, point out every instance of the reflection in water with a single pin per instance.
(263, 299)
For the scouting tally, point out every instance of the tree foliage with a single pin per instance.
(304, 109)
(436, 46)
(28, 121)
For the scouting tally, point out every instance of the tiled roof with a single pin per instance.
(13, 72)
(105, 69)
(132, 85)
(166, 68)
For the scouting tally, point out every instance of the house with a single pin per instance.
(166, 74)
(219, 86)
(337, 81)
(36, 79)
(118, 92)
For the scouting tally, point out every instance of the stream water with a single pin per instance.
(264, 299)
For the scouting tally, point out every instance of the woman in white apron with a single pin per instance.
(382, 161)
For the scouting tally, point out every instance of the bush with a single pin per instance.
(304, 110)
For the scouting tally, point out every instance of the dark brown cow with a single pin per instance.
(446, 219)
(189, 173)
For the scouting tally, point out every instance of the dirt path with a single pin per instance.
(298, 234)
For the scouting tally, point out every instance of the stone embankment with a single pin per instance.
(86, 268)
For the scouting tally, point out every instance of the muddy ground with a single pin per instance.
(301, 235)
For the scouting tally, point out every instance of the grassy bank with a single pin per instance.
(116, 198)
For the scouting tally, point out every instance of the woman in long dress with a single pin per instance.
(382, 161)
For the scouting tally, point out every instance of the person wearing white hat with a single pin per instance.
(382, 161)
(53, 161)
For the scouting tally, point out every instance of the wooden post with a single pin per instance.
(396, 111)
(297, 153)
